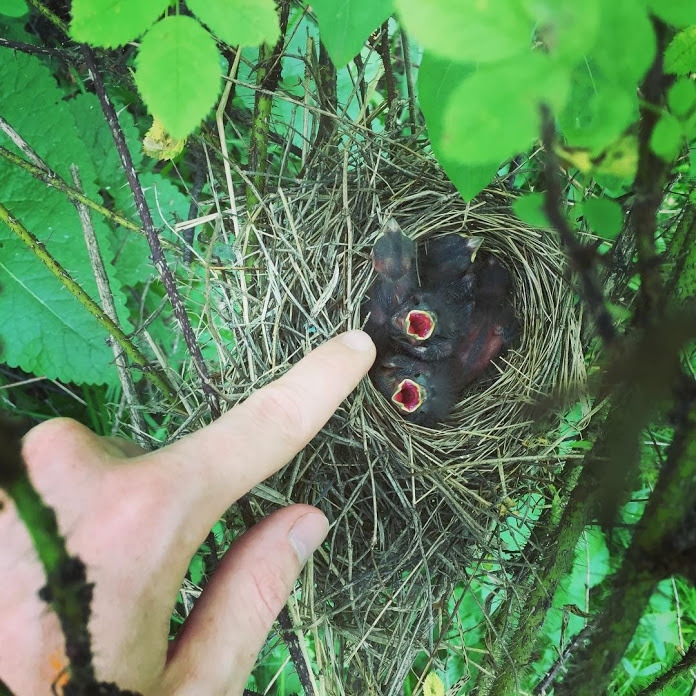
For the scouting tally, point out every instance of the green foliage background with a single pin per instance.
(482, 71)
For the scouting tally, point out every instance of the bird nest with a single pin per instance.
(413, 511)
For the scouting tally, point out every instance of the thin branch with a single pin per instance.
(646, 560)
(687, 662)
(32, 50)
(649, 185)
(50, 178)
(559, 664)
(582, 258)
(67, 590)
(268, 76)
(23, 145)
(85, 300)
(107, 300)
(385, 54)
(153, 240)
(50, 16)
(408, 71)
(5, 690)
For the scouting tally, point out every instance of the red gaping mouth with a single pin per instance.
(419, 324)
(408, 396)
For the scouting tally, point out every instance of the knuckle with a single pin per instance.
(52, 437)
(279, 407)
(269, 593)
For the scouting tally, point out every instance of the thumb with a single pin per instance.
(219, 642)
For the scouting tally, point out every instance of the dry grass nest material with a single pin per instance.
(411, 508)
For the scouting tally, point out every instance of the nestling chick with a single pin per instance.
(394, 260)
(422, 392)
(492, 326)
(446, 264)
(428, 322)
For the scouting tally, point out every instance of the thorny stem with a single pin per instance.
(408, 71)
(153, 240)
(32, 50)
(385, 54)
(268, 78)
(583, 259)
(85, 300)
(687, 662)
(107, 302)
(50, 16)
(646, 562)
(50, 178)
(66, 590)
(649, 183)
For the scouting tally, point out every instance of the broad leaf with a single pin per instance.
(437, 79)
(239, 22)
(566, 28)
(346, 25)
(680, 55)
(681, 13)
(626, 43)
(681, 96)
(667, 138)
(178, 73)
(495, 112)
(111, 23)
(597, 111)
(468, 30)
(50, 333)
(13, 8)
(604, 216)
(530, 209)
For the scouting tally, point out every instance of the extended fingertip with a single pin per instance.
(307, 534)
(357, 340)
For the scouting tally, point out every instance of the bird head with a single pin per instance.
(409, 396)
(415, 320)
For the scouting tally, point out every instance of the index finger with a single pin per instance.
(226, 459)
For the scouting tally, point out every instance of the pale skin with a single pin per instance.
(137, 518)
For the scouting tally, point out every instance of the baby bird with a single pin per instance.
(428, 322)
(446, 264)
(422, 392)
(492, 326)
(394, 260)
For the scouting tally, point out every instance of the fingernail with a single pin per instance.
(307, 534)
(357, 340)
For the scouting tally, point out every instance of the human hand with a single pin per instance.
(136, 519)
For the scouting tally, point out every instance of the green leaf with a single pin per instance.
(111, 23)
(437, 79)
(13, 8)
(494, 113)
(626, 43)
(530, 209)
(197, 569)
(667, 138)
(468, 30)
(178, 73)
(346, 25)
(681, 97)
(681, 13)
(597, 112)
(566, 28)
(680, 54)
(604, 216)
(239, 22)
(51, 333)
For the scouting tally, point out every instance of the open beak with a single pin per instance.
(408, 396)
(419, 324)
